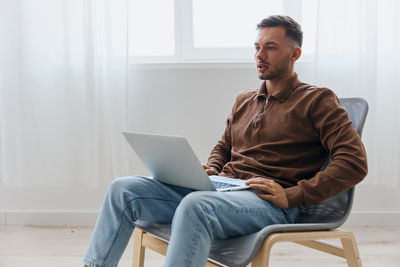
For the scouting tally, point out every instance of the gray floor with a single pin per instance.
(35, 246)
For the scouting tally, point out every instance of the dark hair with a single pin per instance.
(293, 29)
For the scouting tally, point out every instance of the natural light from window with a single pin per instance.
(213, 30)
(229, 23)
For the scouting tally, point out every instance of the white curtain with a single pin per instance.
(358, 55)
(63, 88)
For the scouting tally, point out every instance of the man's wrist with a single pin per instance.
(294, 196)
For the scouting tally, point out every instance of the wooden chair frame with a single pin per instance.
(349, 251)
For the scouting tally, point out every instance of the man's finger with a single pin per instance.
(259, 181)
(280, 202)
(261, 187)
(210, 171)
(255, 180)
(266, 197)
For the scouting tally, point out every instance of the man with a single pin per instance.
(277, 138)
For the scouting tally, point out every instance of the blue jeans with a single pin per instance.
(198, 217)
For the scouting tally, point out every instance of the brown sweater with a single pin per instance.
(288, 138)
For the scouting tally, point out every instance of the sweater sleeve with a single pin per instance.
(221, 154)
(349, 161)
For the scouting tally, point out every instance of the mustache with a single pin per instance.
(262, 63)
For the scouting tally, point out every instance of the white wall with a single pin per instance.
(185, 99)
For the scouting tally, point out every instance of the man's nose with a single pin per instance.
(260, 54)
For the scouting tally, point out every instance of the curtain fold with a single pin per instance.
(357, 55)
(63, 92)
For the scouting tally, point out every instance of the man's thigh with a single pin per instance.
(141, 186)
(147, 198)
(237, 213)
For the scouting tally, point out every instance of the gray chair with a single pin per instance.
(317, 222)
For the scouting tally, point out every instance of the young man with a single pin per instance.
(277, 138)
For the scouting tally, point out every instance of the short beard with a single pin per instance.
(269, 76)
(282, 68)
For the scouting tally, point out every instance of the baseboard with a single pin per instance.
(374, 218)
(88, 218)
(50, 218)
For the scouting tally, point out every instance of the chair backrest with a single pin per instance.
(335, 210)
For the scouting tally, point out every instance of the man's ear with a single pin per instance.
(296, 53)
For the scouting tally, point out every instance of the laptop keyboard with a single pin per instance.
(222, 185)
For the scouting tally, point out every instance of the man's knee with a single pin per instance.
(126, 186)
(198, 202)
(199, 210)
(118, 184)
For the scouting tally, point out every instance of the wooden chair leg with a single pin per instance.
(138, 249)
(351, 250)
(262, 257)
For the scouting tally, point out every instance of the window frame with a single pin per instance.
(186, 52)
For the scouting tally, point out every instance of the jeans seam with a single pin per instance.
(208, 225)
(90, 263)
(262, 212)
(118, 227)
(220, 210)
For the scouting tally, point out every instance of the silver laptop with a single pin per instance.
(171, 160)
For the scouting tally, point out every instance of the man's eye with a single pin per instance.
(271, 47)
(257, 48)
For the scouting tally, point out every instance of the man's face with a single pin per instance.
(273, 53)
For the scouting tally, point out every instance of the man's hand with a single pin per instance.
(210, 171)
(273, 191)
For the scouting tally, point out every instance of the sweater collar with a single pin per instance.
(282, 94)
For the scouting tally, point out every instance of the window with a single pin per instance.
(209, 30)
(229, 23)
(152, 28)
